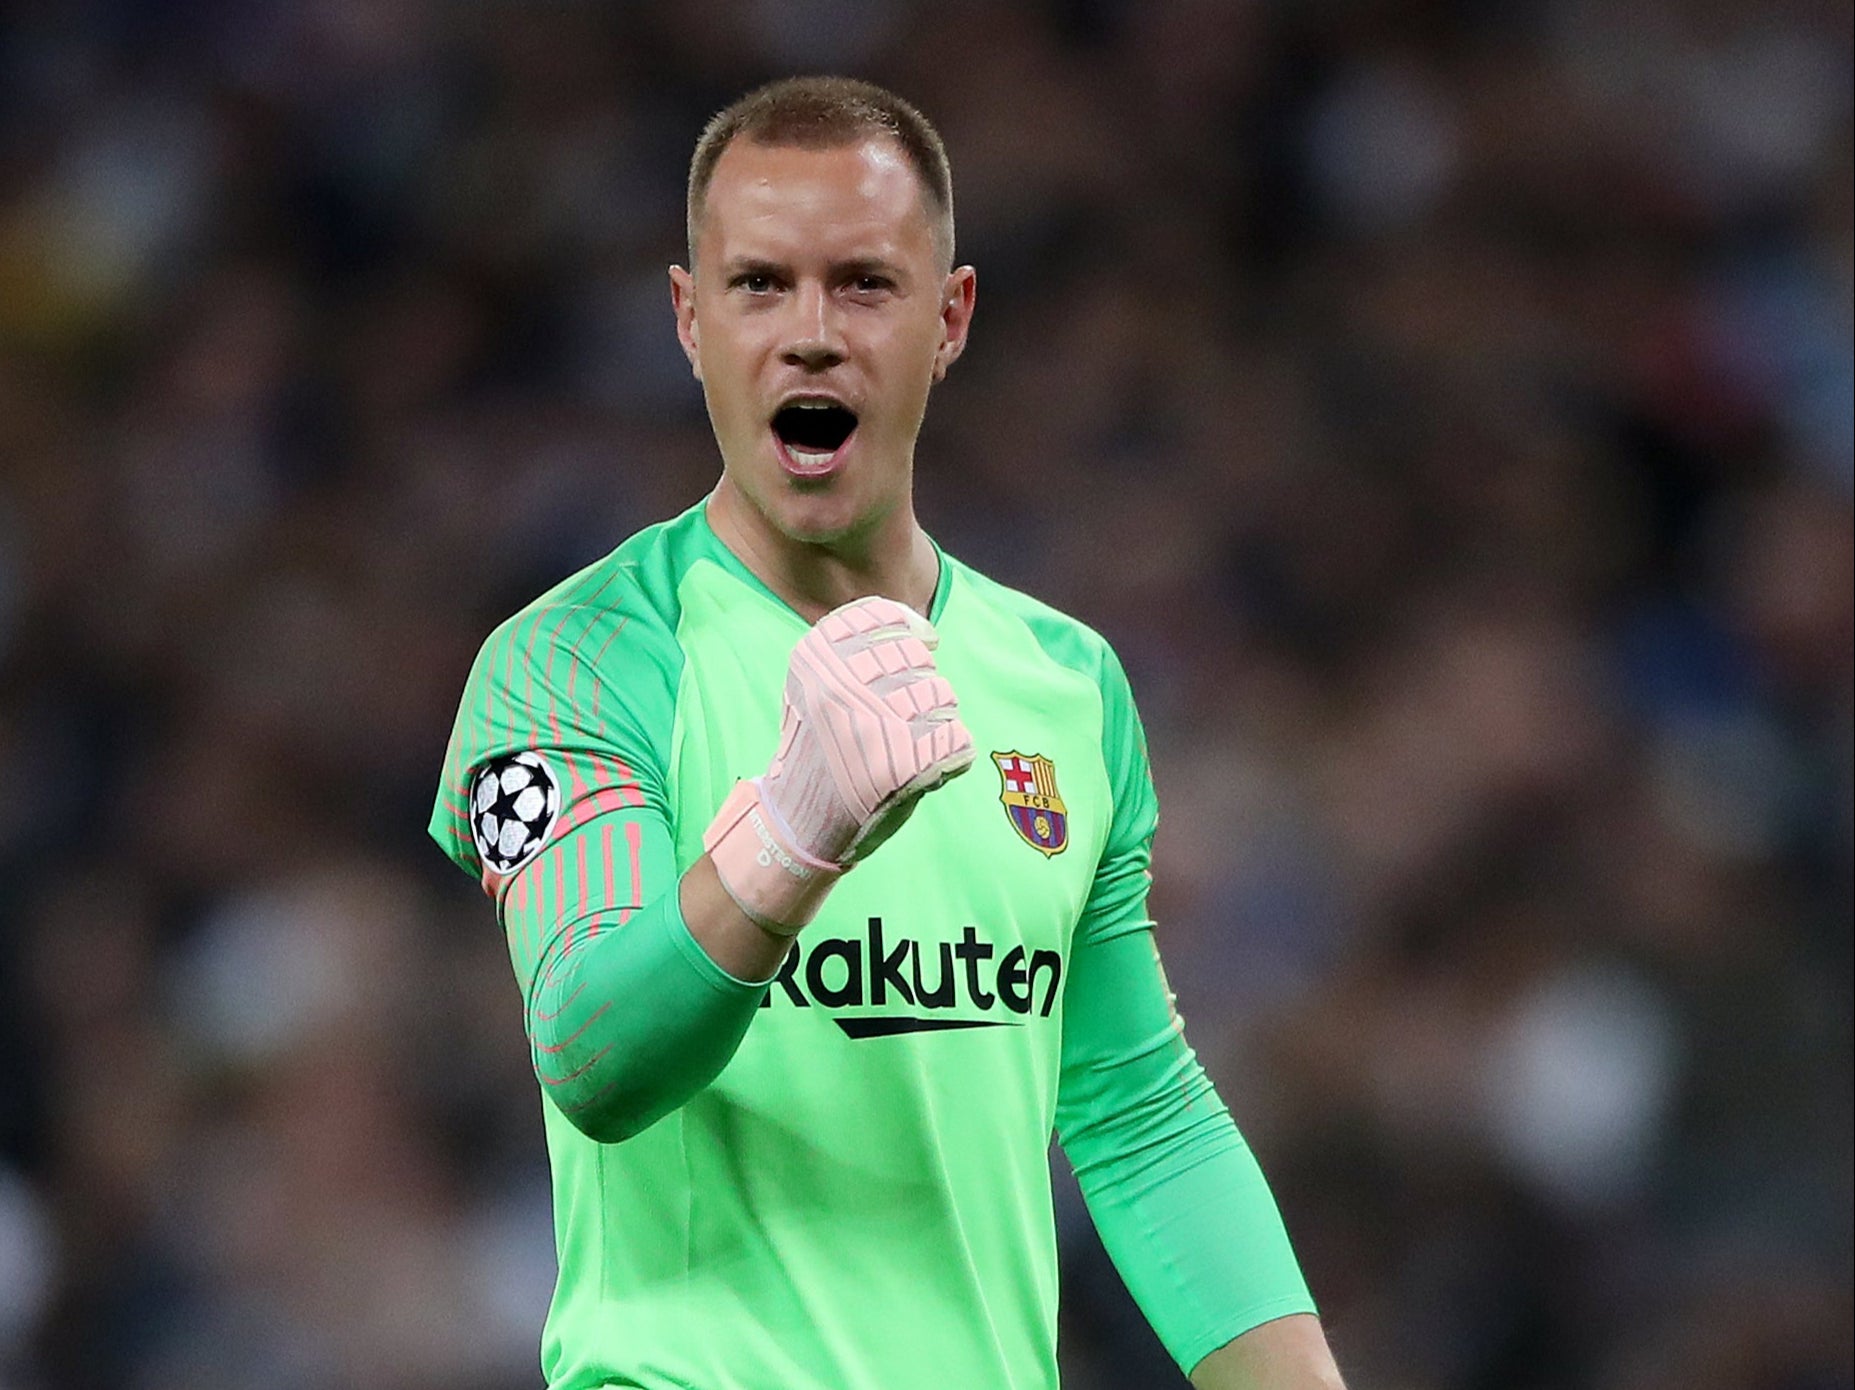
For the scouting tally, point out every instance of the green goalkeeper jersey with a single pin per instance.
(860, 1198)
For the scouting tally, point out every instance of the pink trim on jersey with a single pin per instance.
(542, 1016)
(573, 655)
(528, 686)
(577, 1072)
(628, 781)
(520, 897)
(553, 968)
(596, 805)
(568, 1042)
(553, 706)
(634, 840)
(599, 656)
(588, 1102)
(508, 682)
(605, 862)
(560, 886)
(580, 908)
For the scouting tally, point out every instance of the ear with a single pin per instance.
(683, 300)
(956, 317)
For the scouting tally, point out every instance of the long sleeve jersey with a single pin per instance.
(838, 1179)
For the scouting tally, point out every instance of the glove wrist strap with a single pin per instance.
(771, 878)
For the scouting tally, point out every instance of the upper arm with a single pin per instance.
(555, 791)
(1128, 1079)
(1117, 897)
(1117, 1009)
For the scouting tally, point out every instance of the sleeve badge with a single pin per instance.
(514, 804)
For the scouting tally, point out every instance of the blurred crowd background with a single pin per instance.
(1445, 408)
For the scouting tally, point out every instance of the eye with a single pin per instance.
(871, 283)
(754, 282)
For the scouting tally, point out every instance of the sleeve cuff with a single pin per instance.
(699, 960)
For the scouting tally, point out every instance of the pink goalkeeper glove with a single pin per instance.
(869, 727)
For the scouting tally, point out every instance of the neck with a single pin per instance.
(894, 559)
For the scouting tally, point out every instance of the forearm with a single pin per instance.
(1289, 1353)
(1191, 1225)
(627, 1019)
(1180, 1201)
(728, 936)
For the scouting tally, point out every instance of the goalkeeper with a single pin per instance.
(823, 865)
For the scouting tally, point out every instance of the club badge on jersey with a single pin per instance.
(1031, 801)
(514, 802)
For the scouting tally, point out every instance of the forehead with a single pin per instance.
(863, 198)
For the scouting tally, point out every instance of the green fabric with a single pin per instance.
(858, 1199)
(1177, 1196)
(613, 1069)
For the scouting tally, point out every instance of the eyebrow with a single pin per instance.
(857, 265)
(751, 265)
(869, 265)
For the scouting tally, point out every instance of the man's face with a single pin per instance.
(818, 315)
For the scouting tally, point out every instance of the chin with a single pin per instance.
(820, 520)
(824, 512)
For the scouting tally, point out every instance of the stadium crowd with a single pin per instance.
(1444, 408)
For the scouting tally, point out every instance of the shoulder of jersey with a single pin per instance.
(1066, 639)
(632, 591)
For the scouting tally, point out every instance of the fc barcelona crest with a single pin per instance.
(1029, 793)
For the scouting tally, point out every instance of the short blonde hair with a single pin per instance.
(827, 113)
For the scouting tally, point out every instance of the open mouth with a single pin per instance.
(812, 432)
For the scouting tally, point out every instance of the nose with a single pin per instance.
(815, 339)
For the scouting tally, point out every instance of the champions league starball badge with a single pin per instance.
(514, 803)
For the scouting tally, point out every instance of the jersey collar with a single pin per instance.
(733, 563)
